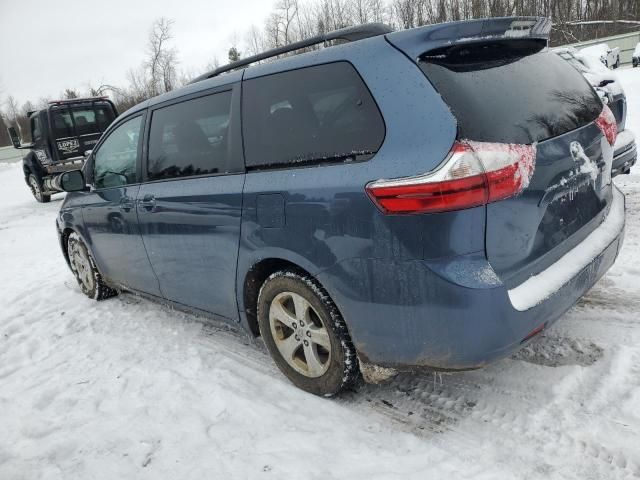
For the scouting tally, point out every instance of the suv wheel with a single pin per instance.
(305, 334)
(36, 189)
(85, 271)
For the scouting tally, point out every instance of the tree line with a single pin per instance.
(293, 20)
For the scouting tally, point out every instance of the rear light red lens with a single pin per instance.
(432, 197)
(607, 123)
(474, 174)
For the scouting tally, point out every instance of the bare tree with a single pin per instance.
(70, 94)
(16, 118)
(12, 108)
(162, 58)
(254, 41)
(213, 64)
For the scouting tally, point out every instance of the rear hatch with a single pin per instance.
(76, 128)
(508, 91)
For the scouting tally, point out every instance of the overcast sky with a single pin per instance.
(49, 45)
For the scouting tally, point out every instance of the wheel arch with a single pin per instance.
(255, 278)
(64, 242)
(29, 166)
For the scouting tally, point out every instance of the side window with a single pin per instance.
(36, 130)
(115, 160)
(319, 113)
(190, 138)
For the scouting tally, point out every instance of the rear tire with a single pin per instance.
(85, 270)
(36, 189)
(306, 335)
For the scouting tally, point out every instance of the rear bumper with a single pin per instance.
(625, 153)
(409, 314)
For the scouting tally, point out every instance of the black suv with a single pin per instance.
(61, 135)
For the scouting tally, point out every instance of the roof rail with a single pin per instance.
(349, 34)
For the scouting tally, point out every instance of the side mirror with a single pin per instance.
(15, 139)
(71, 181)
(604, 83)
(87, 154)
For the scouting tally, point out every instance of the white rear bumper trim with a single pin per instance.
(539, 287)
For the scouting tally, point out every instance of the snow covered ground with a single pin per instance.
(127, 389)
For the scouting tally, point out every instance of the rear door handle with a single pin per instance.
(126, 204)
(148, 203)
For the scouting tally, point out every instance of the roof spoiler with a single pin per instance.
(418, 41)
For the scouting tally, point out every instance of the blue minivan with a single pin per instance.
(429, 198)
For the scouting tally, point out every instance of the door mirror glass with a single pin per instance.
(72, 181)
(15, 139)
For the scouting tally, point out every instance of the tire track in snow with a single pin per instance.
(454, 405)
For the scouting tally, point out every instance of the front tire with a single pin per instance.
(36, 189)
(306, 335)
(85, 271)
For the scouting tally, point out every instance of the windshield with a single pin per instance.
(523, 100)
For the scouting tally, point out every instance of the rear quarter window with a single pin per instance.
(514, 100)
(323, 113)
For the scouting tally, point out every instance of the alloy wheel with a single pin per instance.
(299, 334)
(81, 266)
(35, 187)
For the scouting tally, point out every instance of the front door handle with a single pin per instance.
(148, 203)
(126, 204)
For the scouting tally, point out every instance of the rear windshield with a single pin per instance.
(79, 121)
(513, 99)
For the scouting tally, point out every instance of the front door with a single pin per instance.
(190, 207)
(110, 217)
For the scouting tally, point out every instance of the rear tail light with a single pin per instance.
(475, 173)
(607, 123)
